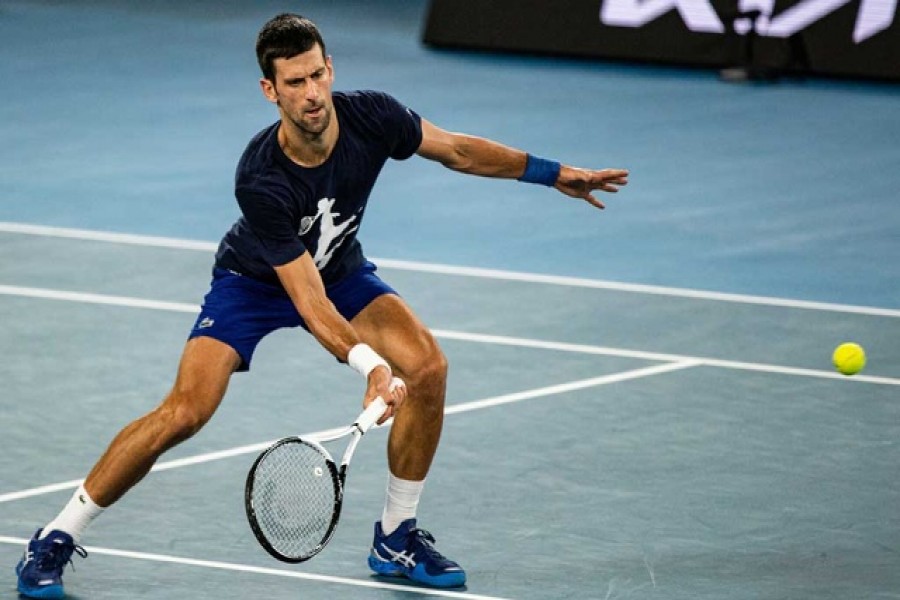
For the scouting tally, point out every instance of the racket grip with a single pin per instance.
(371, 415)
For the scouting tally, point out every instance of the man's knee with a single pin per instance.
(427, 378)
(181, 416)
(435, 367)
(203, 374)
(185, 421)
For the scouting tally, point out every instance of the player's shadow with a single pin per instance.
(406, 583)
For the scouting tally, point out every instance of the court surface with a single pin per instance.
(641, 402)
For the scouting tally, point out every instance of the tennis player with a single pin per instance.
(293, 259)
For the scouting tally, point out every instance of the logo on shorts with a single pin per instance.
(205, 323)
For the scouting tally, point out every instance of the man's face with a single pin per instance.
(302, 90)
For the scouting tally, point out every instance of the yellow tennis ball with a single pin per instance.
(849, 358)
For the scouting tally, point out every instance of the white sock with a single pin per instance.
(400, 502)
(76, 516)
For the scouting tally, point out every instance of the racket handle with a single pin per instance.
(371, 415)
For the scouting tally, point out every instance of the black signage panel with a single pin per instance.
(855, 38)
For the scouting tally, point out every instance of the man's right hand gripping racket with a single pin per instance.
(294, 490)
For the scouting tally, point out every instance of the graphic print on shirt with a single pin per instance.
(331, 231)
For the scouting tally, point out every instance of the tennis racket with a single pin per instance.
(294, 490)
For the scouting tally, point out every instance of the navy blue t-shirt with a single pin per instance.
(289, 209)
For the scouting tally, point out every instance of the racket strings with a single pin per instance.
(294, 498)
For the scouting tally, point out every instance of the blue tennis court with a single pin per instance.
(641, 401)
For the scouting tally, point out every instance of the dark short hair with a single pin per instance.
(284, 36)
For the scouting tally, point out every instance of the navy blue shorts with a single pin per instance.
(240, 311)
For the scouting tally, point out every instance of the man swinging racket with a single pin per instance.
(293, 259)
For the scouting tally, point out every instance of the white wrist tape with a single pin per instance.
(363, 359)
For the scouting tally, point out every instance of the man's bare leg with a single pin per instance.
(389, 326)
(400, 548)
(203, 374)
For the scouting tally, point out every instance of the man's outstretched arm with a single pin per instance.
(487, 158)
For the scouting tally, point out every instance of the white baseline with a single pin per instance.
(227, 566)
(423, 267)
(130, 302)
(463, 407)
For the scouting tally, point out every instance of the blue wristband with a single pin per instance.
(540, 170)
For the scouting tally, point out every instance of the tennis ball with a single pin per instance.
(849, 358)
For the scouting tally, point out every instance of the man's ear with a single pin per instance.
(268, 90)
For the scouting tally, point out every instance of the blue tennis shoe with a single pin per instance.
(409, 552)
(41, 568)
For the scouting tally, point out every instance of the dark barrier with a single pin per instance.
(855, 38)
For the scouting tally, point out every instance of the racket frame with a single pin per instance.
(363, 423)
(336, 481)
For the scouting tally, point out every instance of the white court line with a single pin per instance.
(106, 236)
(165, 466)
(227, 566)
(571, 386)
(658, 356)
(450, 410)
(423, 267)
(130, 302)
(474, 337)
